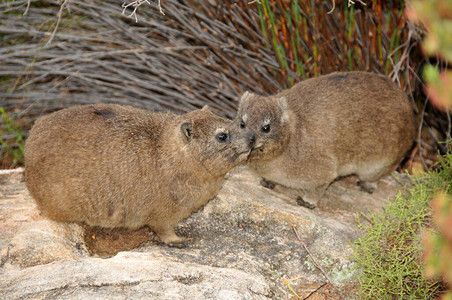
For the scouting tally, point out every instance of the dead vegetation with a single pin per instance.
(63, 53)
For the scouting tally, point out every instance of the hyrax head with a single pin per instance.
(266, 118)
(214, 142)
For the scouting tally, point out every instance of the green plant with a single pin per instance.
(437, 17)
(438, 242)
(12, 143)
(389, 254)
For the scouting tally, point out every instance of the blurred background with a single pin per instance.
(56, 54)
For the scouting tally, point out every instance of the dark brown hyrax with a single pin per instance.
(116, 166)
(323, 128)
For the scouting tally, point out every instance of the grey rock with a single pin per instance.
(242, 246)
(49, 241)
(11, 176)
(147, 275)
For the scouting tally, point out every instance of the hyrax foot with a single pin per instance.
(303, 203)
(177, 242)
(268, 184)
(366, 186)
(178, 245)
(170, 238)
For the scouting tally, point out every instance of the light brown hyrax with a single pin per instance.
(327, 127)
(118, 166)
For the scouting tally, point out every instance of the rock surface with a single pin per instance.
(243, 246)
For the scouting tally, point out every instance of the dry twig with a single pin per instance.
(332, 9)
(107, 59)
(60, 14)
(135, 5)
(350, 2)
(316, 263)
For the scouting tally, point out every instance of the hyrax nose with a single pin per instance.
(251, 139)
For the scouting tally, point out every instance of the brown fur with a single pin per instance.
(118, 166)
(323, 128)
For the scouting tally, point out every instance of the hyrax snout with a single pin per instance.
(118, 166)
(323, 128)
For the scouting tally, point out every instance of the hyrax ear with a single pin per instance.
(244, 98)
(205, 107)
(186, 128)
(282, 103)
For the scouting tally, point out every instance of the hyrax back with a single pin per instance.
(117, 166)
(322, 128)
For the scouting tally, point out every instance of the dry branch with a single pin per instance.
(196, 54)
(316, 263)
(135, 5)
(160, 63)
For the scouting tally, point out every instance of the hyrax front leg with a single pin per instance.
(167, 235)
(321, 173)
(312, 197)
(303, 203)
(267, 184)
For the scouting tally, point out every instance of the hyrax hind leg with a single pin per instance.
(312, 196)
(370, 175)
(367, 186)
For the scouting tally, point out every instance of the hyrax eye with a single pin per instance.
(222, 137)
(242, 124)
(266, 128)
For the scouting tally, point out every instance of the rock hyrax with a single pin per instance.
(323, 128)
(117, 166)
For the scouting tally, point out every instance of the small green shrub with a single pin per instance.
(437, 16)
(389, 255)
(438, 242)
(11, 141)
